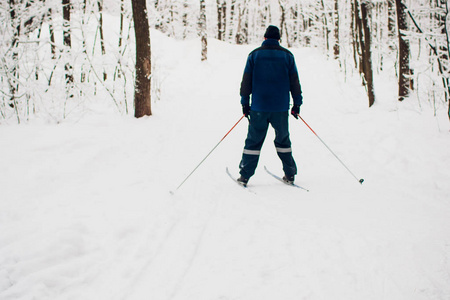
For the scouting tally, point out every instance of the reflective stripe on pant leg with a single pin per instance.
(289, 166)
(284, 150)
(257, 131)
(252, 152)
(280, 123)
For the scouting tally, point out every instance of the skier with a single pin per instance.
(269, 75)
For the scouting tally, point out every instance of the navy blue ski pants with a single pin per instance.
(257, 131)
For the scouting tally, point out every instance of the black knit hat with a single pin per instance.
(272, 32)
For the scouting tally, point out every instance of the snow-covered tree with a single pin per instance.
(203, 32)
(403, 52)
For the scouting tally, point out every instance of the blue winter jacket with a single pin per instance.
(269, 75)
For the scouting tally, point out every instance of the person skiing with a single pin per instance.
(269, 76)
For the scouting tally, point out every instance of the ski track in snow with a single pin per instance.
(85, 209)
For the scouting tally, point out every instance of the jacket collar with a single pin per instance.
(270, 42)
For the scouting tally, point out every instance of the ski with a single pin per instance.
(281, 179)
(240, 184)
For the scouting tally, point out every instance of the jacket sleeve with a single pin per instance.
(296, 89)
(246, 84)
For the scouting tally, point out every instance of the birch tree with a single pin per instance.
(13, 74)
(203, 33)
(403, 52)
(67, 41)
(221, 19)
(101, 31)
(336, 48)
(242, 24)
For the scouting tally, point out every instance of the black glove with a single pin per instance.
(246, 110)
(295, 111)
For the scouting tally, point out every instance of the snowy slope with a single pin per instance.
(85, 209)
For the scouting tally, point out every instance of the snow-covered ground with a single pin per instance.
(86, 213)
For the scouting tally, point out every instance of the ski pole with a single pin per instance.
(359, 180)
(208, 154)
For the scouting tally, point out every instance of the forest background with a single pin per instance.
(50, 68)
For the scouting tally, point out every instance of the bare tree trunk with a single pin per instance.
(122, 16)
(83, 20)
(283, 27)
(184, 18)
(242, 27)
(13, 79)
(142, 95)
(239, 36)
(336, 47)
(158, 25)
(203, 33)
(231, 24)
(118, 70)
(283, 17)
(100, 28)
(295, 14)
(404, 69)
(354, 32)
(359, 37)
(326, 30)
(442, 17)
(221, 19)
(444, 47)
(224, 20)
(67, 39)
(391, 23)
(49, 17)
(447, 47)
(367, 57)
(308, 22)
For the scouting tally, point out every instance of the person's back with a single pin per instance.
(272, 65)
(269, 76)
